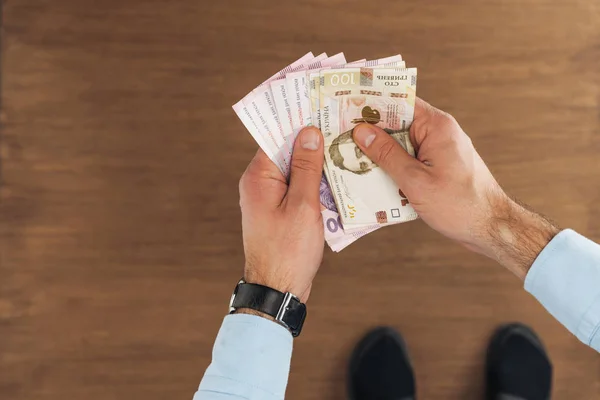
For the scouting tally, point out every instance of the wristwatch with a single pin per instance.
(285, 308)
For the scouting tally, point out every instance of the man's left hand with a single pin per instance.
(282, 224)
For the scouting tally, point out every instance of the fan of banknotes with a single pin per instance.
(357, 197)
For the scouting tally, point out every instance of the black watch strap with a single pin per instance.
(285, 308)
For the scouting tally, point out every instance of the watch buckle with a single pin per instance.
(231, 308)
(284, 307)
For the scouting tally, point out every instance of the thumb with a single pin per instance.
(384, 151)
(307, 167)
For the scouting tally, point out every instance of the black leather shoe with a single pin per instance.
(380, 368)
(517, 365)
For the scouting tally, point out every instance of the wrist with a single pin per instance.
(515, 235)
(281, 284)
(265, 302)
(254, 312)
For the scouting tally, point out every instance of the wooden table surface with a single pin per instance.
(120, 236)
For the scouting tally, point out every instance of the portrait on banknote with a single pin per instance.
(371, 109)
(346, 155)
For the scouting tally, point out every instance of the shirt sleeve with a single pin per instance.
(565, 278)
(251, 360)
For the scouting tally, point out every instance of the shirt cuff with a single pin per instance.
(565, 279)
(251, 359)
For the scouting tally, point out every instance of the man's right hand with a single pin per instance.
(454, 192)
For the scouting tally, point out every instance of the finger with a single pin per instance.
(422, 108)
(262, 166)
(426, 122)
(418, 129)
(262, 181)
(307, 167)
(382, 149)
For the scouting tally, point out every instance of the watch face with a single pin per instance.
(294, 317)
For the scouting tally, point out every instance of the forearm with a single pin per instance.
(561, 269)
(514, 235)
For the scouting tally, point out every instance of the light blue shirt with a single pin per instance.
(251, 357)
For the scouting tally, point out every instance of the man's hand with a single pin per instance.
(282, 226)
(453, 191)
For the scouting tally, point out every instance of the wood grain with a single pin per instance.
(119, 222)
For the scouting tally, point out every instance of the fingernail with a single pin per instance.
(364, 134)
(309, 139)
